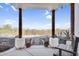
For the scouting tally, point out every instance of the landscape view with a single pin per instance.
(35, 21)
(7, 30)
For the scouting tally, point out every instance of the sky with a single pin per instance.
(34, 18)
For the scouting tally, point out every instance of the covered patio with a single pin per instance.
(40, 50)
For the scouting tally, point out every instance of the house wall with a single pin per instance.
(77, 20)
(77, 23)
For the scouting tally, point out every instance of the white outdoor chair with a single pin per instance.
(73, 50)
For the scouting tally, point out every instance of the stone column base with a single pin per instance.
(19, 43)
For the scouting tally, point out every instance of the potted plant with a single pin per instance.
(28, 43)
(67, 34)
(46, 44)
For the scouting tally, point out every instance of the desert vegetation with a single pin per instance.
(7, 30)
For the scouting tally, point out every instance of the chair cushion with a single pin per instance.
(53, 42)
(78, 50)
(64, 53)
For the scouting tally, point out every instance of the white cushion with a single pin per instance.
(78, 50)
(53, 42)
(68, 42)
(19, 43)
(69, 45)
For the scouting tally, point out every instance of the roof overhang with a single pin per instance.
(49, 6)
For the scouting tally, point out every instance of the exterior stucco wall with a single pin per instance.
(77, 20)
(77, 23)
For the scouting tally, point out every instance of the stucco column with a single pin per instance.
(77, 20)
(20, 22)
(72, 18)
(72, 8)
(77, 24)
(53, 23)
(19, 41)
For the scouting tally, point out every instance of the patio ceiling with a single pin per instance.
(49, 6)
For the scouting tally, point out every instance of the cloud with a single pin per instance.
(48, 16)
(1, 6)
(7, 3)
(57, 26)
(46, 12)
(64, 26)
(47, 25)
(13, 8)
(7, 21)
(11, 22)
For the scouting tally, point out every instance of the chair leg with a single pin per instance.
(55, 55)
(60, 52)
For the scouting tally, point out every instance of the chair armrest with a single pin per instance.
(61, 49)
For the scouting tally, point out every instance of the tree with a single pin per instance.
(7, 26)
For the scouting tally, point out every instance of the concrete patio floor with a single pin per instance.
(35, 50)
(32, 51)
